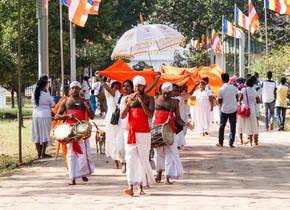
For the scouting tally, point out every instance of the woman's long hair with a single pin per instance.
(41, 83)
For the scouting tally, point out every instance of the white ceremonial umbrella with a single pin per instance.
(146, 39)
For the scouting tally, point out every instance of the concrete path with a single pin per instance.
(215, 178)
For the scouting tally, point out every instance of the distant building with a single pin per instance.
(156, 59)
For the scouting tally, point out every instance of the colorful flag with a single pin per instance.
(231, 30)
(78, 11)
(196, 43)
(279, 6)
(95, 6)
(241, 19)
(254, 24)
(216, 43)
(203, 39)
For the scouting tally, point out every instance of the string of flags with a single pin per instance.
(250, 23)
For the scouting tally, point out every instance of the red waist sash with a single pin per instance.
(80, 115)
(161, 116)
(137, 123)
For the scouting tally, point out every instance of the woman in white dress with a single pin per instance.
(41, 117)
(249, 125)
(112, 93)
(203, 108)
(128, 89)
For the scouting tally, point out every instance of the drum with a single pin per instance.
(82, 129)
(162, 135)
(63, 133)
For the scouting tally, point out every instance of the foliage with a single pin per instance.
(141, 65)
(196, 17)
(279, 62)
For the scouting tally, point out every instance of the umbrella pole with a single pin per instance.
(150, 59)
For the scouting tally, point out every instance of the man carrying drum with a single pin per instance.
(167, 157)
(139, 108)
(74, 109)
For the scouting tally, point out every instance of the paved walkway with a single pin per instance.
(215, 178)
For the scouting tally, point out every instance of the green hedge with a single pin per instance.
(12, 113)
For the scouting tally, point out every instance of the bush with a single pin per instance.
(279, 62)
(11, 114)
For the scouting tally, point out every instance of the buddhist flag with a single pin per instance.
(203, 39)
(78, 12)
(196, 43)
(254, 24)
(279, 6)
(230, 30)
(216, 43)
(95, 6)
(241, 19)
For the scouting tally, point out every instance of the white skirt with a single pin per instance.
(41, 129)
(248, 125)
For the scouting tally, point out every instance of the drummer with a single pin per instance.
(139, 108)
(72, 110)
(167, 157)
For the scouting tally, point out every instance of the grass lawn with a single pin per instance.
(9, 143)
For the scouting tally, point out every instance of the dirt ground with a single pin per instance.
(215, 178)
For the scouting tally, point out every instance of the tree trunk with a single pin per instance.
(12, 99)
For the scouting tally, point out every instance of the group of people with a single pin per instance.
(128, 137)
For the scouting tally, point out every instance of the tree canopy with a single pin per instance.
(96, 40)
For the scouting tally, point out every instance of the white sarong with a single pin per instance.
(80, 165)
(167, 159)
(139, 170)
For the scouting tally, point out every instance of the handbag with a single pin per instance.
(116, 114)
(244, 110)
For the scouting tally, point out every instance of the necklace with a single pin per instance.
(76, 103)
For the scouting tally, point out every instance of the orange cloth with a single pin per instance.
(119, 65)
(161, 116)
(53, 125)
(195, 74)
(137, 123)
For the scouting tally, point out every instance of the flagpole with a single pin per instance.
(223, 47)
(266, 34)
(20, 117)
(235, 43)
(72, 52)
(61, 47)
(249, 40)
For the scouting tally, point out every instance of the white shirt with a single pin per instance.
(97, 88)
(268, 91)
(86, 89)
(123, 122)
(46, 102)
(228, 94)
(252, 95)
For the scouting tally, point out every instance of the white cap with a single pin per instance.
(75, 84)
(167, 87)
(139, 80)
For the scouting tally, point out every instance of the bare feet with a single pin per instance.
(116, 166)
(141, 192)
(73, 182)
(123, 168)
(158, 177)
(46, 156)
(168, 181)
(85, 179)
(129, 192)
